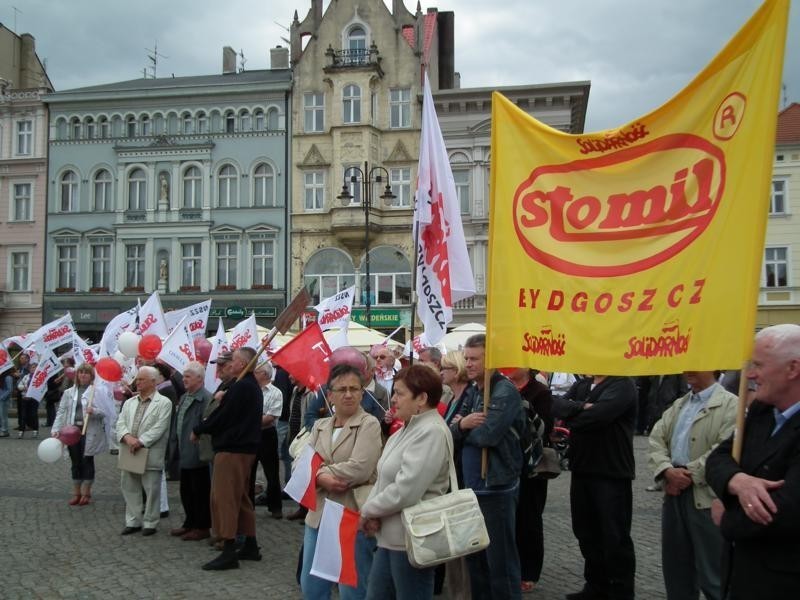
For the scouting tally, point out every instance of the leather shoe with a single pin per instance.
(130, 530)
(164, 514)
(195, 535)
(148, 531)
(180, 531)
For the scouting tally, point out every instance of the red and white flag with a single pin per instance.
(17, 340)
(82, 352)
(335, 553)
(219, 343)
(305, 357)
(53, 334)
(245, 334)
(151, 318)
(5, 360)
(48, 366)
(444, 273)
(125, 321)
(178, 349)
(335, 311)
(196, 315)
(302, 485)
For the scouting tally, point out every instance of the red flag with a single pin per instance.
(305, 357)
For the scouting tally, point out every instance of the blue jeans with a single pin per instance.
(494, 572)
(315, 588)
(4, 400)
(283, 448)
(392, 576)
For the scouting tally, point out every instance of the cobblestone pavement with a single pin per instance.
(52, 550)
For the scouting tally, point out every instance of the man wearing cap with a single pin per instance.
(235, 428)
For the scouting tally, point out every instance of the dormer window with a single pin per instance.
(356, 46)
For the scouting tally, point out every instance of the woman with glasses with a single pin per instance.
(349, 443)
(454, 375)
(414, 466)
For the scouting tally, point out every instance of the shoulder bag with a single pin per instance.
(445, 527)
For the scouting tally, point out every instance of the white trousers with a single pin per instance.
(132, 486)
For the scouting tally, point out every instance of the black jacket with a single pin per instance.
(761, 561)
(235, 426)
(601, 437)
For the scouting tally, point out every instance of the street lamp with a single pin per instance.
(366, 178)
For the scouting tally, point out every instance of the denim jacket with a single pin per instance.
(505, 411)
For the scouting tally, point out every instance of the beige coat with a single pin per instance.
(353, 457)
(153, 430)
(712, 425)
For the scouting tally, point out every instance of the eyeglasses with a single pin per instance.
(343, 390)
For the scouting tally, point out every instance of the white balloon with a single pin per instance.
(129, 344)
(50, 450)
(120, 358)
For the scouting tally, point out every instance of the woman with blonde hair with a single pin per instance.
(454, 375)
(76, 408)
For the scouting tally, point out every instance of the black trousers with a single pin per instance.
(195, 490)
(30, 414)
(82, 466)
(529, 528)
(601, 521)
(268, 458)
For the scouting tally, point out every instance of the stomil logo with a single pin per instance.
(658, 198)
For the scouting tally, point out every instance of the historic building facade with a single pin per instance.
(173, 184)
(779, 298)
(23, 182)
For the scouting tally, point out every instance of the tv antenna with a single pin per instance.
(286, 29)
(16, 12)
(154, 55)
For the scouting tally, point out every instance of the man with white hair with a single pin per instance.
(268, 450)
(761, 493)
(144, 424)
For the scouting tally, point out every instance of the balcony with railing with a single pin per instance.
(353, 58)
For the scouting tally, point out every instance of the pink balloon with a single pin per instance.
(107, 368)
(149, 346)
(349, 356)
(202, 350)
(69, 373)
(69, 435)
(119, 394)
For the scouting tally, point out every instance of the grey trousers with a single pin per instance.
(132, 486)
(691, 549)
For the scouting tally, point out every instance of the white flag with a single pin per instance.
(125, 321)
(335, 552)
(335, 311)
(197, 318)
(219, 343)
(82, 352)
(444, 274)
(53, 334)
(48, 366)
(178, 348)
(245, 334)
(17, 340)
(151, 318)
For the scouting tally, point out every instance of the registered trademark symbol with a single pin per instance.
(729, 116)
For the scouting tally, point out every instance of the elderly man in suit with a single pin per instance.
(691, 545)
(144, 423)
(761, 493)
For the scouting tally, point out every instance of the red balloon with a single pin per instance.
(107, 368)
(69, 435)
(202, 349)
(149, 346)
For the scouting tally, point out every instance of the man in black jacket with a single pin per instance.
(235, 429)
(601, 414)
(761, 493)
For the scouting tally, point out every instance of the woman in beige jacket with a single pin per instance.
(350, 444)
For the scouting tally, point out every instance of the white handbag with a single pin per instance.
(445, 527)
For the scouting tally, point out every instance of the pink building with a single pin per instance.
(23, 182)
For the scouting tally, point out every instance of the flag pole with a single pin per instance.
(738, 432)
(88, 406)
(487, 378)
(414, 298)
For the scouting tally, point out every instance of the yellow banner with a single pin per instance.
(638, 250)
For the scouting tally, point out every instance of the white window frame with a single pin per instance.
(777, 262)
(89, 127)
(106, 203)
(70, 263)
(192, 188)
(105, 127)
(462, 188)
(104, 282)
(75, 129)
(259, 120)
(229, 122)
(273, 122)
(348, 173)
(202, 123)
(230, 279)
(267, 181)
(313, 112)
(14, 215)
(265, 259)
(245, 121)
(227, 187)
(400, 108)
(314, 190)
(137, 259)
(191, 264)
(187, 124)
(145, 125)
(23, 137)
(776, 196)
(68, 202)
(400, 180)
(137, 190)
(130, 127)
(351, 104)
(13, 252)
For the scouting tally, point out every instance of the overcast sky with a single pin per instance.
(636, 53)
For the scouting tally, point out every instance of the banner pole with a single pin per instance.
(414, 298)
(738, 432)
(88, 405)
(487, 377)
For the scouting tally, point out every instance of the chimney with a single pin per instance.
(27, 62)
(278, 58)
(228, 60)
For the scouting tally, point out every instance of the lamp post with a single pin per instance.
(366, 178)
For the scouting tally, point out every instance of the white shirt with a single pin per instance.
(273, 401)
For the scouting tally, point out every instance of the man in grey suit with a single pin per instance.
(144, 423)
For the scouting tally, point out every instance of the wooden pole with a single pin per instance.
(88, 405)
(487, 378)
(738, 432)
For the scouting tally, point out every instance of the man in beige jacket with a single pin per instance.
(144, 423)
(680, 442)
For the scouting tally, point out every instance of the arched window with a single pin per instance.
(272, 119)
(244, 121)
(192, 188)
(145, 125)
(264, 185)
(75, 129)
(389, 277)
(230, 122)
(356, 46)
(130, 126)
(61, 129)
(69, 192)
(137, 190)
(351, 102)
(328, 272)
(188, 124)
(202, 123)
(258, 118)
(227, 196)
(89, 128)
(103, 122)
(102, 191)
